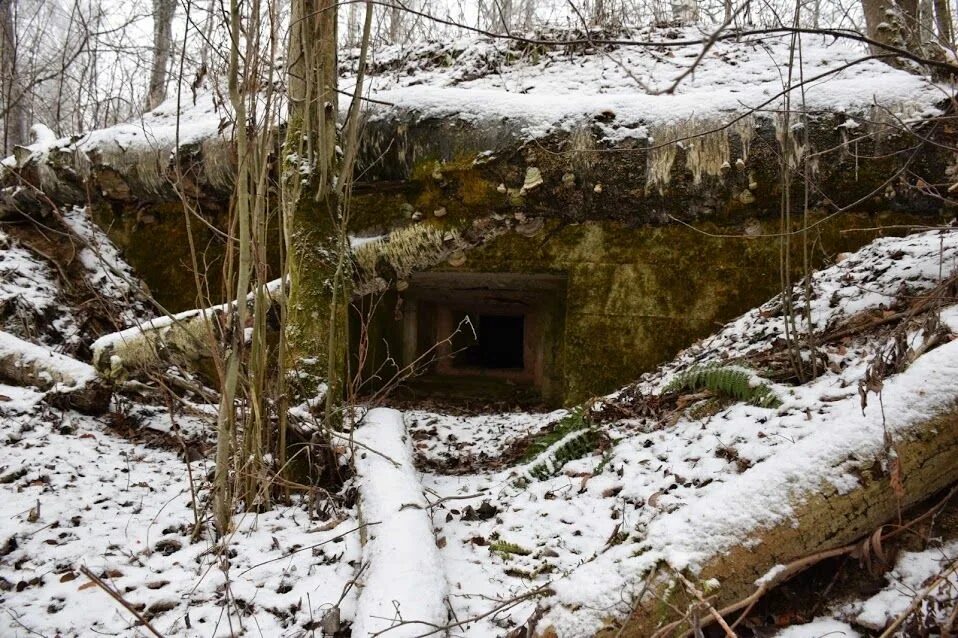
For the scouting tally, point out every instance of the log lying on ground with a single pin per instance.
(68, 383)
(827, 520)
(182, 339)
(404, 587)
(829, 490)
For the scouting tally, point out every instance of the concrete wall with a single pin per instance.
(636, 296)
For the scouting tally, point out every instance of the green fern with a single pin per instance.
(505, 548)
(576, 445)
(726, 381)
(573, 421)
(575, 437)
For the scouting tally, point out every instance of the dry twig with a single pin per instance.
(115, 595)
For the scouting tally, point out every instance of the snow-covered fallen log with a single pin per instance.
(830, 490)
(404, 586)
(67, 382)
(183, 339)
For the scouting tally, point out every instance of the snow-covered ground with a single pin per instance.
(30, 304)
(96, 492)
(465, 443)
(76, 494)
(928, 577)
(627, 91)
(35, 304)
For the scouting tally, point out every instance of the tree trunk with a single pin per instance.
(945, 26)
(315, 225)
(894, 23)
(685, 12)
(505, 10)
(927, 21)
(880, 29)
(395, 24)
(163, 11)
(14, 105)
(914, 38)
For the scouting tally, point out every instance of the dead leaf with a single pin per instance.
(895, 476)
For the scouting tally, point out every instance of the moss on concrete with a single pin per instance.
(636, 296)
(155, 241)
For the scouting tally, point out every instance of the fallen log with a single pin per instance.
(68, 383)
(828, 519)
(404, 588)
(831, 489)
(185, 339)
(182, 339)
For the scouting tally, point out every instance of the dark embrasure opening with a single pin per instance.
(494, 342)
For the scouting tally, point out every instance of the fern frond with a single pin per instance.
(573, 421)
(575, 446)
(727, 381)
(505, 548)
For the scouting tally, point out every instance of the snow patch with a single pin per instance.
(404, 580)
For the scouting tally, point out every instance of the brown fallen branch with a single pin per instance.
(115, 595)
(946, 290)
(798, 566)
(922, 595)
(717, 617)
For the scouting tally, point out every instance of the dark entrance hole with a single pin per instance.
(498, 342)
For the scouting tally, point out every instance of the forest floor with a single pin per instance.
(552, 516)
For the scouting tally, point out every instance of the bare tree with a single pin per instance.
(946, 34)
(14, 108)
(923, 27)
(163, 11)
(396, 22)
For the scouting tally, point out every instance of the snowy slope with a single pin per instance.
(541, 89)
(628, 88)
(34, 302)
(677, 492)
(686, 492)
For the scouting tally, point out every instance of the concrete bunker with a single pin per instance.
(475, 335)
(577, 310)
(605, 263)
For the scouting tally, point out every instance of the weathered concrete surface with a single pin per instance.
(718, 171)
(636, 295)
(641, 284)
